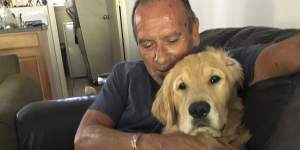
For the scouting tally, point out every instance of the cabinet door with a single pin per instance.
(33, 67)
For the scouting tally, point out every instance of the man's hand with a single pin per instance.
(173, 141)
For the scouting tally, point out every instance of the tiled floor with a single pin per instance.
(76, 86)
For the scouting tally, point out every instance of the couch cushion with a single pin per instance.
(264, 104)
(9, 65)
(15, 91)
(286, 135)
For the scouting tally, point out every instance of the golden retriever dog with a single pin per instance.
(199, 97)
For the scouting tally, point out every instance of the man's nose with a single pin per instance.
(160, 55)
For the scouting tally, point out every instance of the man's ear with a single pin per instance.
(195, 33)
(163, 106)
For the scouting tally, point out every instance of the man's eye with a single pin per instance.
(172, 39)
(146, 44)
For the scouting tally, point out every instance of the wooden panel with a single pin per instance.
(18, 40)
(29, 66)
(22, 52)
(32, 66)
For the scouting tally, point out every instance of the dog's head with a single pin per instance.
(196, 92)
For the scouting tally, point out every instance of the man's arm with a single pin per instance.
(282, 58)
(95, 132)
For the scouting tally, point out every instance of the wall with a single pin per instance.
(286, 13)
(32, 13)
(235, 13)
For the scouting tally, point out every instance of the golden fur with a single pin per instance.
(223, 128)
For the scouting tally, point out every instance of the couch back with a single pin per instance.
(230, 38)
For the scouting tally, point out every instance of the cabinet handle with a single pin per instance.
(105, 17)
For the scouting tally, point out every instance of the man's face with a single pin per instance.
(163, 35)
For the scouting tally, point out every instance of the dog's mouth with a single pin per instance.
(203, 125)
(198, 123)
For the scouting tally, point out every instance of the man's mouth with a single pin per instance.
(164, 69)
(162, 73)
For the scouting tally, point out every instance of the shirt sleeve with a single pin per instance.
(112, 98)
(246, 56)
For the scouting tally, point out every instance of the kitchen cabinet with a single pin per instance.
(27, 46)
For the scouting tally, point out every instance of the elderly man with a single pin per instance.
(165, 31)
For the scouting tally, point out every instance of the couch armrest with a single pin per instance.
(268, 106)
(15, 91)
(9, 65)
(51, 125)
(286, 134)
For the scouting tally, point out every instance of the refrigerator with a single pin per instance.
(98, 32)
(76, 66)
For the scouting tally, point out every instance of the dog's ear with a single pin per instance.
(163, 107)
(235, 69)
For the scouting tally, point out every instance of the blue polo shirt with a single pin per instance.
(129, 92)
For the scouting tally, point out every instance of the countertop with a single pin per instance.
(27, 29)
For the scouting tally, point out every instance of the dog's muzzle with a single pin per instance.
(199, 112)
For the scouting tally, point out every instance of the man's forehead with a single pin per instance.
(159, 18)
(158, 4)
(159, 8)
(162, 26)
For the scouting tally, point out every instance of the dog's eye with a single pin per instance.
(182, 86)
(214, 79)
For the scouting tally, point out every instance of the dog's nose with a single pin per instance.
(199, 110)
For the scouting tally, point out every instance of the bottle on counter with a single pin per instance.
(8, 19)
(1, 23)
(7, 3)
(19, 20)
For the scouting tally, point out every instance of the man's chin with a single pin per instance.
(159, 76)
(158, 81)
